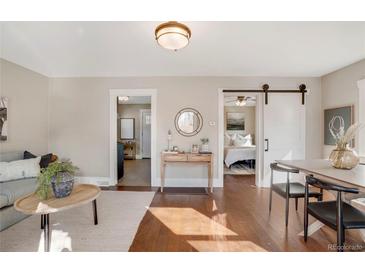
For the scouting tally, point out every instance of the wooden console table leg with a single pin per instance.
(162, 175)
(210, 177)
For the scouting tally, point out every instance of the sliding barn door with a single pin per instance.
(284, 131)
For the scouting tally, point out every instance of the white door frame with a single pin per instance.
(361, 115)
(141, 111)
(259, 135)
(113, 95)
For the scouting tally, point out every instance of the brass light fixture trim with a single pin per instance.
(172, 35)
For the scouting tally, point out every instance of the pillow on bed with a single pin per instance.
(242, 141)
(229, 139)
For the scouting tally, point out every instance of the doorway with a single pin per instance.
(132, 137)
(280, 131)
(239, 135)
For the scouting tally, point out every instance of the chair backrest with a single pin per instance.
(329, 186)
(276, 167)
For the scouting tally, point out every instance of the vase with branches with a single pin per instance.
(343, 156)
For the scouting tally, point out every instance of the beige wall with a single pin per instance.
(132, 111)
(340, 88)
(27, 92)
(79, 120)
(250, 113)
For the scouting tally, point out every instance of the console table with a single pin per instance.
(188, 159)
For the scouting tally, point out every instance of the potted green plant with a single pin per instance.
(205, 144)
(59, 175)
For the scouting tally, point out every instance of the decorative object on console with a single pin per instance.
(59, 175)
(194, 148)
(3, 118)
(343, 156)
(175, 148)
(188, 122)
(169, 138)
(205, 144)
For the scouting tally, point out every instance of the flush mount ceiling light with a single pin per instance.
(240, 101)
(123, 98)
(172, 35)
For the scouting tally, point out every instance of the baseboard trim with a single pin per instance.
(169, 182)
(99, 181)
(191, 182)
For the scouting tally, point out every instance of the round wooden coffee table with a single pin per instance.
(81, 194)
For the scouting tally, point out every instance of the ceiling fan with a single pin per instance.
(241, 101)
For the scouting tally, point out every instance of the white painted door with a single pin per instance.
(146, 134)
(284, 132)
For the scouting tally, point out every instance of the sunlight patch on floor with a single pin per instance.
(234, 246)
(188, 221)
(60, 241)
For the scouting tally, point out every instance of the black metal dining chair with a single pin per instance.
(289, 189)
(336, 214)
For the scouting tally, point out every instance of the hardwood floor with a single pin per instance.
(136, 173)
(233, 218)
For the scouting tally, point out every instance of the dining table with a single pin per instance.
(322, 169)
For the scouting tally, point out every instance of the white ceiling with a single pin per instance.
(136, 100)
(77, 49)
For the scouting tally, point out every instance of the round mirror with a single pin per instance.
(188, 122)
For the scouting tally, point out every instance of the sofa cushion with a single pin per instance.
(12, 190)
(45, 159)
(19, 169)
(3, 200)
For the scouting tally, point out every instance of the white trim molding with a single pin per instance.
(361, 133)
(113, 94)
(99, 181)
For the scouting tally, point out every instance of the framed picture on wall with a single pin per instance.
(235, 121)
(347, 114)
(127, 128)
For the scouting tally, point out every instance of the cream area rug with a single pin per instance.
(119, 214)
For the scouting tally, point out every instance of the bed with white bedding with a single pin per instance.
(234, 154)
